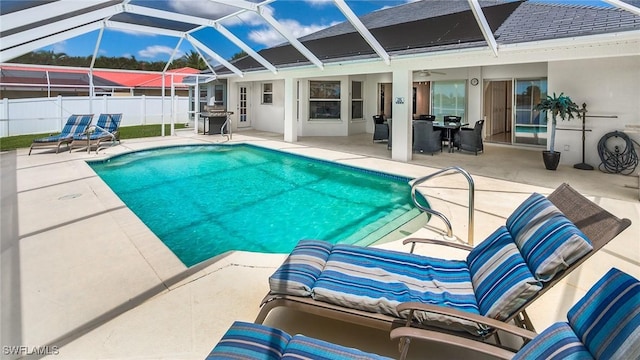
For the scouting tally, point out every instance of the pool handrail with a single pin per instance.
(440, 215)
(227, 124)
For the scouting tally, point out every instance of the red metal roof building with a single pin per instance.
(27, 81)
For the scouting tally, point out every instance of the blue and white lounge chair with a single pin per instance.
(107, 128)
(76, 125)
(544, 239)
(249, 341)
(604, 324)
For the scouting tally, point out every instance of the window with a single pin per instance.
(356, 100)
(267, 93)
(449, 98)
(203, 98)
(324, 100)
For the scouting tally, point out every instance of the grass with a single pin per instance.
(128, 132)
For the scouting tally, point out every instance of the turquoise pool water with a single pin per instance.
(202, 201)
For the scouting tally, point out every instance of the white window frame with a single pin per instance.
(267, 92)
(357, 98)
(328, 91)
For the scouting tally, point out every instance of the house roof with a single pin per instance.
(35, 75)
(429, 26)
(540, 21)
(424, 27)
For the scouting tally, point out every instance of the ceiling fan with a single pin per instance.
(429, 72)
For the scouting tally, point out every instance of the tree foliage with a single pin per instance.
(191, 59)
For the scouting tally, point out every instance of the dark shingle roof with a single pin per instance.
(435, 25)
(537, 21)
(410, 12)
(439, 23)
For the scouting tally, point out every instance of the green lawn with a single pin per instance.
(128, 132)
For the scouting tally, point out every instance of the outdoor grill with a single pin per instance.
(215, 116)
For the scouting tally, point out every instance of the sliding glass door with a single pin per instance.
(530, 125)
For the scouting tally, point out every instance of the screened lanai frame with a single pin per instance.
(28, 25)
(51, 21)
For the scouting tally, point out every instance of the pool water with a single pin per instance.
(202, 201)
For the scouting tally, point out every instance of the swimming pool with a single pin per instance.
(204, 200)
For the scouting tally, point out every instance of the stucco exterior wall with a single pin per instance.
(609, 87)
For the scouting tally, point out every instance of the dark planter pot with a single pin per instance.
(551, 159)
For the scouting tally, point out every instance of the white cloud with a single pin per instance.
(319, 2)
(263, 33)
(133, 32)
(204, 8)
(270, 37)
(248, 18)
(155, 50)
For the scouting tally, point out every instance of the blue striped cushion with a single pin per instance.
(607, 318)
(501, 278)
(531, 212)
(548, 241)
(298, 273)
(377, 280)
(558, 342)
(76, 124)
(250, 342)
(109, 122)
(552, 246)
(52, 138)
(106, 124)
(302, 347)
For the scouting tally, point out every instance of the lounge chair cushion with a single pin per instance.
(106, 125)
(548, 241)
(251, 342)
(557, 342)
(377, 280)
(75, 124)
(299, 272)
(500, 276)
(607, 318)
(303, 347)
(53, 138)
(248, 341)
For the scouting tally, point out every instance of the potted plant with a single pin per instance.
(558, 106)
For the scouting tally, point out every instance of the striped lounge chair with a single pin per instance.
(543, 240)
(76, 125)
(106, 129)
(604, 324)
(249, 341)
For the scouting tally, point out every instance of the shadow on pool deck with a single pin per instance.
(88, 277)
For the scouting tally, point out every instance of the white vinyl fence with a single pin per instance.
(48, 115)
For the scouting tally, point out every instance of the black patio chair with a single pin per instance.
(381, 128)
(470, 139)
(425, 138)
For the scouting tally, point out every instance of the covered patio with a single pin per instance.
(518, 164)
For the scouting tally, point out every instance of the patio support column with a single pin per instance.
(290, 121)
(401, 131)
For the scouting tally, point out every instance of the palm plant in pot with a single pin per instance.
(558, 106)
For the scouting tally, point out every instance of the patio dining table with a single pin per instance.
(450, 129)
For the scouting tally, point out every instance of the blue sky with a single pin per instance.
(301, 17)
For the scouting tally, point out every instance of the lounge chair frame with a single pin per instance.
(66, 140)
(597, 224)
(106, 135)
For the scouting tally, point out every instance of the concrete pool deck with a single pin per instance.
(82, 275)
